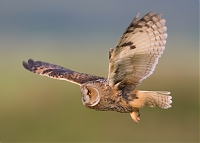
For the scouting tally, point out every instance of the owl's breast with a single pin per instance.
(112, 104)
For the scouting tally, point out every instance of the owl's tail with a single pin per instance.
(154, 98)
(151, 99)
(158, 98)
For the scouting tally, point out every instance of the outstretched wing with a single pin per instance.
(58, 72)
(137, 52)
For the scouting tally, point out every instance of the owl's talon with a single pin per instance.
(135, 117)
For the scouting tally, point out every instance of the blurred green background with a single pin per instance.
(78, 34)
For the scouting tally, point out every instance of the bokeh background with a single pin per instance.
(78, 34)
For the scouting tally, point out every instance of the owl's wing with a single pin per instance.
(137, 52)
(58, 72)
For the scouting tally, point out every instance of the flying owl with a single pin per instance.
(131, 61)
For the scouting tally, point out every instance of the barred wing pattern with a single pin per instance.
(137, 52)
(58, 72)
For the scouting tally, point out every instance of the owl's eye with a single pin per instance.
(89, 93)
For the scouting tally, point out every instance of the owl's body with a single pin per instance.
(123, 101)
(133, 60)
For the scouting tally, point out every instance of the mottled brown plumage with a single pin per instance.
(133, 60)
(58, 72)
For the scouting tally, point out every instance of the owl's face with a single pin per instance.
(90, 95)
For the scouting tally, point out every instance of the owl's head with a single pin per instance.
(90, 95)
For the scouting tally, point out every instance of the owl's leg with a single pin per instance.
(135, 116)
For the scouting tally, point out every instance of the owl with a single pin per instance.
(132, 60)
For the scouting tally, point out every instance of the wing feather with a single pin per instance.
(137, 52)
(58, 72)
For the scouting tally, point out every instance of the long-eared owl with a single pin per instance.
(133, 59)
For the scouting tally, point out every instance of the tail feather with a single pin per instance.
(158, 98)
